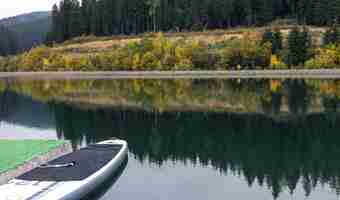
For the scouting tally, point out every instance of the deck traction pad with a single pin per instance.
(88, 161)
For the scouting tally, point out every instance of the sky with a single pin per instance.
(10, 8)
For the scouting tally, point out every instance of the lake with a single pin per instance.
(196, 139)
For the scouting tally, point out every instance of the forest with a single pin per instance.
(109, 17)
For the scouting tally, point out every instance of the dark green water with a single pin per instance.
(193, 139)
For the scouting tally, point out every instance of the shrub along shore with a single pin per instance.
(255, 50)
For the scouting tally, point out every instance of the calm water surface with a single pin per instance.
(192, 139)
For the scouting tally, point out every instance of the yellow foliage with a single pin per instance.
(150, 61)
(183, 57)
(77, 63)
(158, 44)
(276, 63)
(157, 52)
(246, 53)
(137, 61)
(275, 85)
(169, 61)
(327, 57)
(35, 59)
(9, 63)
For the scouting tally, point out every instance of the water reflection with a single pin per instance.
(268, 96)
(273, 153)
(105, 187)
(275, 133)
(25, 118)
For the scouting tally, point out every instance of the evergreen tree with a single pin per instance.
(304, 43)
(331, 36)
(275, 38)
(55, 30)
(85, 17)
(333, 8)
(239, 13)
(267, 36)
(293, 47)
(94, 18)
(318, 12)
(298, 45)
(277, 41)
(265, 12)
(75, 24)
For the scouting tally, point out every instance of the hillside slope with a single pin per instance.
(8, 44)
(31, 29)
(229, 49)
(93, 44)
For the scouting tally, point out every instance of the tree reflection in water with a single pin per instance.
(276, 153)
(274, 132)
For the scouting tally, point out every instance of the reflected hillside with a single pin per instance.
(279, 98)
(20, 109)
(276, 154)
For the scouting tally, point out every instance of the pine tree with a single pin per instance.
(75, 24)
(265, 12)
(277, 41)
(331, 36)
(239, 13)
(85, 17)
(54, 35)
(94, 18)
(267, 36)
(304, 43)
(319, 10)
(275, 38)
(55, 31)
(298, 45)
(332, 8)
(65, 11)
(293, 47)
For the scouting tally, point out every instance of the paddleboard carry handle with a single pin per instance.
(71, 164)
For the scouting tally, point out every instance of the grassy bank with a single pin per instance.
(16, 152)
(242, 49)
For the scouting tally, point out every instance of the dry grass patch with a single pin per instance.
(93, 44)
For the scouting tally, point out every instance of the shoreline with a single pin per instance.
(263, 74)
(35, 162)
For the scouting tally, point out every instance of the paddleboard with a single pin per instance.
(69, 177)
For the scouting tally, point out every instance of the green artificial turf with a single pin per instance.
(17, 152)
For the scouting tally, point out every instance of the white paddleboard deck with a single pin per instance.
(59, 180)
